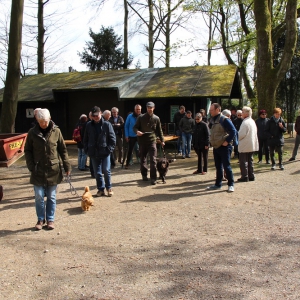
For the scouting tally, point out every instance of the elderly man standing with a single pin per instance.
(117, 123)
(222, 133)
(248, 143)
(44, 148)
(99, 142)
(147, 128)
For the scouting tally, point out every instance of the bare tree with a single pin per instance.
(10, 95)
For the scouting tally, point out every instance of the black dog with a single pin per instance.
(163, 167)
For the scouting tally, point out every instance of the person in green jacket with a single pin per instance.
(45, 150)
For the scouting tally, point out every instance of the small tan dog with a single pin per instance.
(87, 199)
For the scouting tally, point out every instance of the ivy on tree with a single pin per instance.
(104, 51)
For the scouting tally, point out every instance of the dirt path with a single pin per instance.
(172, 241)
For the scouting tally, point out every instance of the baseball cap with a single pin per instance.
(150, 104)
(95, 111)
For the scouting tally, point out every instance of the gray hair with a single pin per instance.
(247, 110)
(106, 112)
(239, 111)
(226, 113)
(115, 108)
(43, 114)
(198, 115)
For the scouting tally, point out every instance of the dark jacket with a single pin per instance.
(274, 132)
(200, 137)
(187, 125)
(261, 127)
(82, 130)
(117, 129)
(105, 142)
(44, 155)
(176, 119)
(237, 122)
(151, 127)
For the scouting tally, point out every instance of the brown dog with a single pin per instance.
(87, 199)
(163, 167)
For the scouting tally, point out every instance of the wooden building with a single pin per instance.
(68, 95)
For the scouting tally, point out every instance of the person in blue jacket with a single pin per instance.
(130, 135)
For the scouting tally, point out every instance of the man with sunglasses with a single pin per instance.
(262, 137)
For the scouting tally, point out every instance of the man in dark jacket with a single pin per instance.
(275, 128)
(200, 142)
(147, 128)
(176, 119)
(297, 139)
(186, 126)
(44, 149)
(262, 137)
(117, 123)
(99, 142)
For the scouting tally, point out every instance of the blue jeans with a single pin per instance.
(222, 160)
(179, 141)
(186, 143)
(102, 166)
(45, 210)
(81, 159)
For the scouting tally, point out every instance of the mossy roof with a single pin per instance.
(202, 81)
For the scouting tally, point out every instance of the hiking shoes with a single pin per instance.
(50, 225)
(213, 187)
(110, 192)
(39, 224)
(100, 194)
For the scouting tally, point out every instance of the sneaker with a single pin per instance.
(100, 193)
(292, 158)
(252, 179)
(243, 179)
(230, 189)
(281, 167)
(273, 167)
(39, 225)
(110, 192)
(145, 178)
(213, 187)
(50, 225)
(196, 172)
(267, 162)
(183, 156)
(188, 156)
(259, 162)
(153, 181)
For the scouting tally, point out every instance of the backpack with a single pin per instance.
(77, 134)
(235, 140)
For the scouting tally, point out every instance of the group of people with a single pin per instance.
(46, 154)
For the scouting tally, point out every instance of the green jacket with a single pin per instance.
(151, 127)
(44, 155)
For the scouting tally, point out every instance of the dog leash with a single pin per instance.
(67, 179)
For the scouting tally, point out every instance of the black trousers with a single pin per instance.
(131, 143)
(202, 157)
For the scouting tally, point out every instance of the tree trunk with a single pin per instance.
(10, 95)
(125, 35)
(150, 35)
(268, 77)
(168, 33)
(40, 37)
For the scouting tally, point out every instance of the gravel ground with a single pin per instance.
(169, 241)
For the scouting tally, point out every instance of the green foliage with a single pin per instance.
(104, 51)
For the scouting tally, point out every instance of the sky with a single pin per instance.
(73, 28)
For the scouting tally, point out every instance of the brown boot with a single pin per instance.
(50, 225)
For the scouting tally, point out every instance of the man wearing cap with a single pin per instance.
(99, 142)
(262, 137)
(148, 128)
